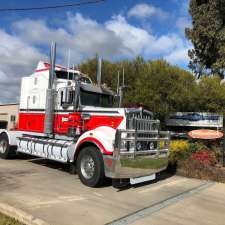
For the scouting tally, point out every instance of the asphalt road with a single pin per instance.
(46, 190)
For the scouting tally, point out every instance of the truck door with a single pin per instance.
(66, 119)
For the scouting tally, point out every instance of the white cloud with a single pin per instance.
(115, 39)
(136, 40)
(179, 56)
(164, 44)
(17, 60)
(143, 11)
(182, 23)
(133, 39)
(85, 37)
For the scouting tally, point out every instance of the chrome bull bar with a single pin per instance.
(128, 161)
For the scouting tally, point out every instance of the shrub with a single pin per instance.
(178, 150)
(218, 152)
(194, 169)
(194, 159)
(179, 145)
(196, 146)
(204, 157)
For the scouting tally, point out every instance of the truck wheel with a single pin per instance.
(5, 149)
(90, 167)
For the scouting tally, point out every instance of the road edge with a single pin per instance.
(20, 215)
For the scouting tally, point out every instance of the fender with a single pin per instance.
(12, 135)
(103, 137)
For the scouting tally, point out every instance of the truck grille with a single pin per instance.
(140, 120)
(142, 135)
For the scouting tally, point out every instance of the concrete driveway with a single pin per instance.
(46, 190)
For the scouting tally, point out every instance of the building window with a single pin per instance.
(12, 118)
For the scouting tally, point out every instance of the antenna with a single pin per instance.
(118, 82)
(99, 70)
(68, 65)
(121, 90)
(73, 71)
(123, 77)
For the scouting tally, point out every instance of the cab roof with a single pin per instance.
(96, 89)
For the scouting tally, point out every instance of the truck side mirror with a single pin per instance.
(67, 97)
(77, 94)
(70, 97)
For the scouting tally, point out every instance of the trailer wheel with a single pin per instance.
(5, 149)
(90, 167)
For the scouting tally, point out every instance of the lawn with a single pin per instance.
(5, 220)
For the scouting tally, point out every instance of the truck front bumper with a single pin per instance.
(126, 167)
(137, 163)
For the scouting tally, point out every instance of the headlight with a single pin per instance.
(151, 146)
(132, 145)
(123, 146)
(139, 146)
(127, 146)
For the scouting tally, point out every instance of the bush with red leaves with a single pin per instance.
(204, 157)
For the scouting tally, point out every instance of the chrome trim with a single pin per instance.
(127, 161)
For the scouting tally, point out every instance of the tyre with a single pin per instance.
(90, 167)
(6, 150)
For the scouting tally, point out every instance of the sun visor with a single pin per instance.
(96, 89)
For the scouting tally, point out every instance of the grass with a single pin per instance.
(5, 220)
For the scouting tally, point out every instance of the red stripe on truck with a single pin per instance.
(34, 122)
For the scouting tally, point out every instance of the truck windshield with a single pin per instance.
(65, 75)
(96, 99)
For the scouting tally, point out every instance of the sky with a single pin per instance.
(115, 29)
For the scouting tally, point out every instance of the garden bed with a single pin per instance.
(193, 169)
(197, 160)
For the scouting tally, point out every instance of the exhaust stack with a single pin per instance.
(120, 89)
(99, 70)
(49, 108)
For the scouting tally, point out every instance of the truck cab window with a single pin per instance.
(96, 99)
(71, 76)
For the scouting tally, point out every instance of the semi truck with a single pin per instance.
(65, 117)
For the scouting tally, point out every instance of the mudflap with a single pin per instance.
(120, 183)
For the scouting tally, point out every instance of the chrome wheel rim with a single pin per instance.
(3, 146)
(87, 167)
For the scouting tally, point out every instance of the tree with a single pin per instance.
(208, 36)
(211, 95)
(162, 88)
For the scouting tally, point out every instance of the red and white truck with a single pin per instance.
(64, 117)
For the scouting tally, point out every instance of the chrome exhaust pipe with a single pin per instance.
(99, 70)
(50, 93)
